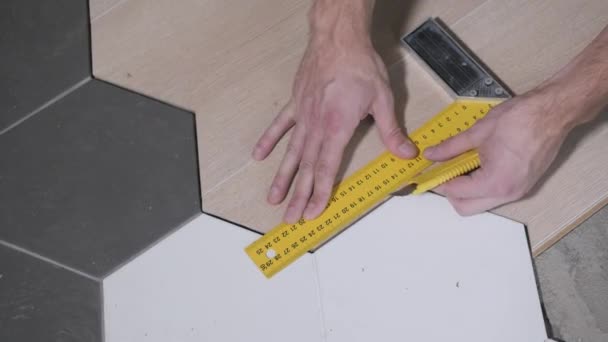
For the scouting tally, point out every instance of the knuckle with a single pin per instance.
(306, 165)
(394, 132)
(323, 169)
(333, 122)
(292, 148)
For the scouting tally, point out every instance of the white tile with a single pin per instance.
(413, 270)
(198, 285)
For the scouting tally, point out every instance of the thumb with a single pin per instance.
(391, 134)
(453, 146)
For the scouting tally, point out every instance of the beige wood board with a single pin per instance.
(232, 63)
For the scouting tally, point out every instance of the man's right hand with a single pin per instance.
(340, 81)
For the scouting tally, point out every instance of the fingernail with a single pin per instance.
(273, 195)
(407, 148)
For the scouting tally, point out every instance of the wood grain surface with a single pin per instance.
(232, 62)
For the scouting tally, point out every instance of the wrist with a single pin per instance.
(342, 22)
(580, 90)
(570, 100)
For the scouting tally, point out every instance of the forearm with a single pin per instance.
(341, 21)
(580, 90)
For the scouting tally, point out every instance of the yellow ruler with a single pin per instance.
(460, 165)
(370, 185)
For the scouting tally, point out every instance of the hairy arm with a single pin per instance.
(581, 88)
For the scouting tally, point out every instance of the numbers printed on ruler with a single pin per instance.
(361, 191)
(345, 203)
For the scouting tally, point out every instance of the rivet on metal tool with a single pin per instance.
(488, 81)
(472, 92)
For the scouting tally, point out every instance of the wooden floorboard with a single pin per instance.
(232, 62)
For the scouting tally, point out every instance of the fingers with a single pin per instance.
(455, 145)
(473, 194)
(289, 165)
(305, 179)
(384, 114)
(468, 207)
(326, 170)
(469, 195)
(279, 126)
(475, 185)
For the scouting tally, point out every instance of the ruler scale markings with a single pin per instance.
(363, 190)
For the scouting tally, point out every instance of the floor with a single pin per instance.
(186, 55)
(90, 175)
(573, 277)
(117, 191)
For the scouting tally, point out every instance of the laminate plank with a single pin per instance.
(236, 76)
(232, 62)
(186, 54)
